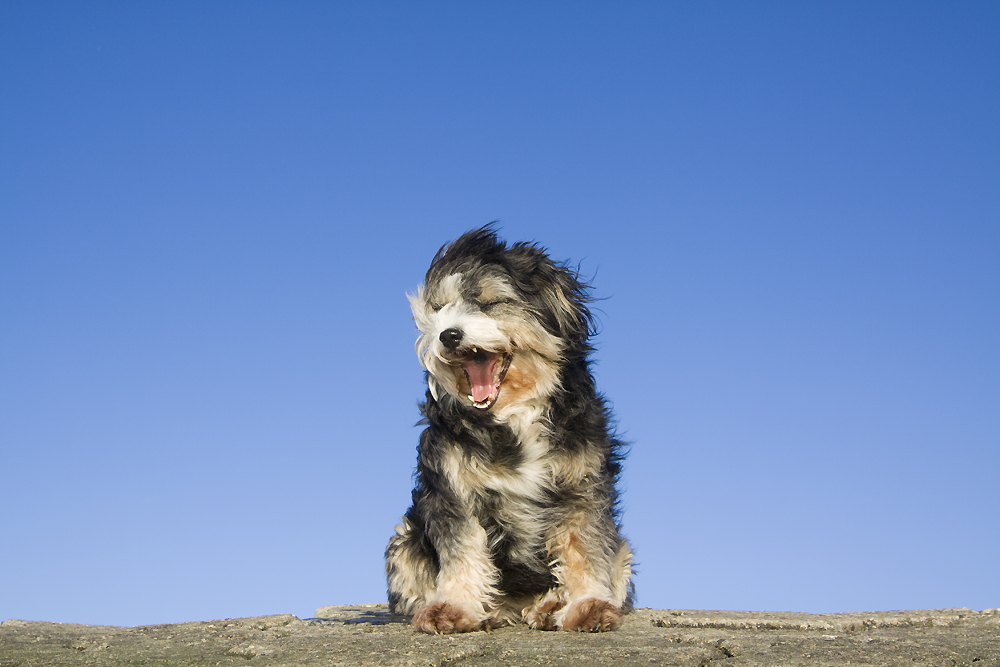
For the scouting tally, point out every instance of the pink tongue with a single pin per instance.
(481, 378)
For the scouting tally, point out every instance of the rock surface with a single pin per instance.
(369, 635)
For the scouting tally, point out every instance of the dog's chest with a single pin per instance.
(512, 475)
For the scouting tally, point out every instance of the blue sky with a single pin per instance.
(210, 214)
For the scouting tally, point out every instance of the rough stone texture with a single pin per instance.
(369, 635)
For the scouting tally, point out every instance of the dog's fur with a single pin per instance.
(515, 510)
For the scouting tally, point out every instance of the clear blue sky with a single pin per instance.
(211, 212)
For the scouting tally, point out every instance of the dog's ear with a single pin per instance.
(555, 291)
(566, 298)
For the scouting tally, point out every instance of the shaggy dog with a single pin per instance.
(514, 515)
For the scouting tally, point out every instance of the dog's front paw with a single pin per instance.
(442, 618)
(592, 615)
(542, 615)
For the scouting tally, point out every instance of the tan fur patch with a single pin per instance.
(576, 564)
(495, 289)
(592, 615)
(442, 618)
(516, 387)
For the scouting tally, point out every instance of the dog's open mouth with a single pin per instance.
(485, 372)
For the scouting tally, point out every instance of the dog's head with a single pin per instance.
(496, 322)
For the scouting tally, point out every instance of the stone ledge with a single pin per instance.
(369, 635)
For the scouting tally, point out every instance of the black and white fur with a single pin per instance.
(515, 510)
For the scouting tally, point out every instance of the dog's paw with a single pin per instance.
(592, 615)
(442, 618)
(541, 616)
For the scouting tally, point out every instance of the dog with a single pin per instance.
(515, 515)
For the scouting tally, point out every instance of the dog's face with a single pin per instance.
(495, 323)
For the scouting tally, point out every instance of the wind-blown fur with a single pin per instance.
(515, 510)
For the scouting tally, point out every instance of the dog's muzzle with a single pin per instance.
(485, 370)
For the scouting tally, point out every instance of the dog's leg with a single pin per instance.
(622, 590)
(410, 568)
(466, 583)
(593, 568)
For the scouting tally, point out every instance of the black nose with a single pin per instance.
(450, 338)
